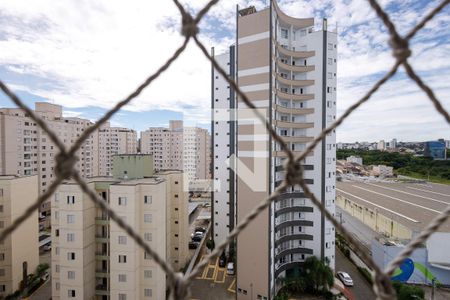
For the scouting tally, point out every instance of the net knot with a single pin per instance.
(181, 287)
(189, 26)
(294, 172)
(65, 165)
(400, 48)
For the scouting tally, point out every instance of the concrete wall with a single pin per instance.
(374, 219)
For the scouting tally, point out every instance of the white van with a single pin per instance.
(230, 269)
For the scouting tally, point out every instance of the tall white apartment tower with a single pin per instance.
(223, 133)
(286, 67)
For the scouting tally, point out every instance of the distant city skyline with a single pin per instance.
(72, 59)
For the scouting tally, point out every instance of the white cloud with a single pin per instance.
(97, 53)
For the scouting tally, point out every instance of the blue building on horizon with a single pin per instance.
(436, 150)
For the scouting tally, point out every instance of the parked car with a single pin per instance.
(197, 238)
(222, 261)
(197, 233)
(200, 229)
(193, 245)
(345, 278)
(230, 268)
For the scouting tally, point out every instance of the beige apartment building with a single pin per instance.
(287, 68)
(180, 148)
(19, 252)
(113, 141)
(25, 149)
(93, 258)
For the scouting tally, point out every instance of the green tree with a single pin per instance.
(210, 244)
(407, 292)
(317, 275)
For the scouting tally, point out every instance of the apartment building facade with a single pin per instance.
(223, 133)
(25, 149)
(287, 68)
(19, 252)
(179, 148)
(93, 258)
(113, 141)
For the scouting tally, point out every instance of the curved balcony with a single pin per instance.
(297, 139)
(293, 68)
(280, 168)
(280, 268)
(289, 209)
(296, 111)
(291, 223)
(294, 82)
(296, 22)
(283, 154)
(291, 237)
(286, 124)
(289, 96)
(296, 54)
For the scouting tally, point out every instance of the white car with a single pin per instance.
(230, 268)
(345, 278)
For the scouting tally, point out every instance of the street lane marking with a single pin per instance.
(415, 195)
(222, 271)
(232, 287)
(400, 200)
(447, 195)
(382, 207)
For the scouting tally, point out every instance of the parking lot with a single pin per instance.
(213, 283)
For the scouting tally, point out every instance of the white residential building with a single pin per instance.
(355, 159)
(180, 148)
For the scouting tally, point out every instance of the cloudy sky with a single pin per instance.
(87, 55)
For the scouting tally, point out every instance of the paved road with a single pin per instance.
(44, 292)
(413, 205)
(361, 289)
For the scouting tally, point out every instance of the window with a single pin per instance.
(70, 219)
(147, 256)
(2, 256)
(148, 273)
(57, 250)
(330, 61)
(2, 272)
(147, 199)
(122, 278)
(148, 236)
(71, 274)
(122, 240)
(330, 75)
(71, 293)
(56, 232)
(330, 46)
(57, 286)
(70, 199)
(122, 201)
(1, 192)
(147, 292)
(122, 258)
(70, 255)
(147, 218)
(122, 296)
(71, 237)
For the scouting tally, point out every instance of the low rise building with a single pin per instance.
(19, 252)
(94, 258)
(355, 159)
(382, 171)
